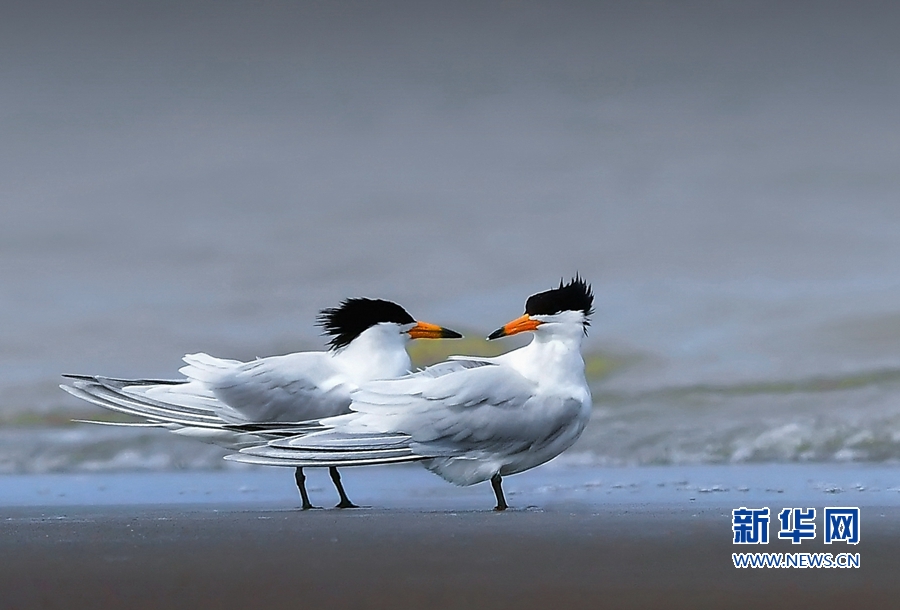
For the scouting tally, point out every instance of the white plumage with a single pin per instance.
(217, 393)
(238, 404)
(468, 419)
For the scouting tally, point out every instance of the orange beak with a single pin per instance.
(424, 330)
(519, 325)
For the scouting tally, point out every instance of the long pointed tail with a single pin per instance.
(331, 448)
(190, 406)
(184, 407)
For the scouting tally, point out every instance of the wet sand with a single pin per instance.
(242, 558)
(640, 547)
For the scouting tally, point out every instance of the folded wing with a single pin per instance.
(227, 402)
(461, 412)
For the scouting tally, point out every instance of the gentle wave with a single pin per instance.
(842, 418)
(849, 418)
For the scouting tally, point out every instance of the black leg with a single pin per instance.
(301, 485)
(336, 479)
(496, 482)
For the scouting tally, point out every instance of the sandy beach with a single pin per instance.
(622, 538)
(237, 558)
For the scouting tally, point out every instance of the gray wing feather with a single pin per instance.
(437, 412)
(317, 461)
(291, 388)
(116, 400)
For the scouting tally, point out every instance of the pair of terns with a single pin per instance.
(468, 419)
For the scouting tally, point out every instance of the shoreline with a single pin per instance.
(412, 487)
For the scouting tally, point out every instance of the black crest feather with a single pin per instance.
(574, 296)
(347, 321)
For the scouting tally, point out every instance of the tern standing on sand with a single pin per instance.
(235, 404)
(468, 419)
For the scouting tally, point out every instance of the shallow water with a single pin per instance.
(413, 488)
(181, 178)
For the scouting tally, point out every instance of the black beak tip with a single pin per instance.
(446, 333)
(500, 332)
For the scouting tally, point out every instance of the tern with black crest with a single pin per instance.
(237, 404)
(468, 419)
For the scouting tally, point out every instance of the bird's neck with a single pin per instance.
(552, 358)
(374, 354)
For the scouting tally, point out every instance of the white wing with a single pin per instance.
(291, 388)
(227, 402)
(467, 423)
(125, 396)
(476, 413)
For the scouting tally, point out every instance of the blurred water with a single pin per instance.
(411, 487)
(186, 176)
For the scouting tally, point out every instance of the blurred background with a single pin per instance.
(205, 176)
